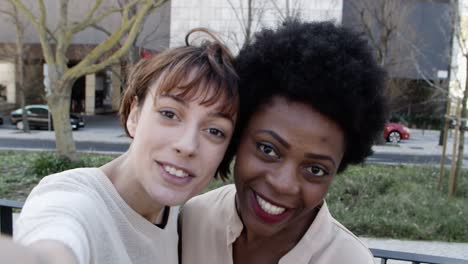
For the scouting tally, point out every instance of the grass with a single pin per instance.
(20, 171)
(400, 202)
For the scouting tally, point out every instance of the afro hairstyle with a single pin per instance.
(329, 67)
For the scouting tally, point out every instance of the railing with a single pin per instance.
(6, 227)
(385, 255)
(6, 215)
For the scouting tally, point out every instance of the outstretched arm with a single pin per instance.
(41, 252)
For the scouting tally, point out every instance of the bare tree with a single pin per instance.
(135, 51)
(249, 14)
(56, 42)
(290, 9)
(381, 21)
(19, 59)
(461, 37)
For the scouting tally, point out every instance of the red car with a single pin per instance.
(394, 132)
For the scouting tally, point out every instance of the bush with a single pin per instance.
(50, 163)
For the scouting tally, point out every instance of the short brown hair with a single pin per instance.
(209, 64)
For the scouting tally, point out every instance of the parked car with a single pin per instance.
(394, 132)
(1, 120)
(38, 117)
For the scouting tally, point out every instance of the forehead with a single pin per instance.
(195, 86)
(300, 125)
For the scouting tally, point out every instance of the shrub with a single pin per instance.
(50, 163)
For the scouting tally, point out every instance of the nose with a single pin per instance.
(187, 144)
(284, 180)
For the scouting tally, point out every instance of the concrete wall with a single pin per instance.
(459, 67)
(7, 78)
(226, 17)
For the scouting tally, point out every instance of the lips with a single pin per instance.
(174, 174)
(267, 210)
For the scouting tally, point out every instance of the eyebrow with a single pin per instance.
(318, 156)
(222, 115)
(277, 137)
(175, 98)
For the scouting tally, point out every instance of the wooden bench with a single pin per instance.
(6, 227)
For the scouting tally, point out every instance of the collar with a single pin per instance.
(314, 241)
(316, 238)
(234, 224)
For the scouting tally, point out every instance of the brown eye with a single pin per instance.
(267, 150)
(316, 171)
(216, 132)
(167, 114)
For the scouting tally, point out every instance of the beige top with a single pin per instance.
(210, 225)
(81, 209)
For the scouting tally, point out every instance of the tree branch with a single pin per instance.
(89, 20)
(131, 26)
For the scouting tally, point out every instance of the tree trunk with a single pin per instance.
(134, 52)
(20, 87)
(461, 142)
(248, 27)
(20, 67)
(59, 104)
(133, 55)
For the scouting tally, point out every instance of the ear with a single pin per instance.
(133, 116)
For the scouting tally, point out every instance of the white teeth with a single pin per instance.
(175, 172)
(268, 207)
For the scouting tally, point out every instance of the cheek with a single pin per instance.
(212, 155)
(314, 194)
(247, 165)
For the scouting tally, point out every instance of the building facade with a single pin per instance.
(229, 19)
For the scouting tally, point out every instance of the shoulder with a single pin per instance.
(212, 199)
(74, 192)
(61, 208)
(352, 248)
(77, 177)
(212, 205)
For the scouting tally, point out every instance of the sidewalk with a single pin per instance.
(116, 135)
(422, 142)
(99, 128)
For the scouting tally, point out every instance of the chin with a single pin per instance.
(262, 229)
(169, 197)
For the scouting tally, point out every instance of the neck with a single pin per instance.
(121, 172)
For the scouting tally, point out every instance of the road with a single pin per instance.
(104, 134)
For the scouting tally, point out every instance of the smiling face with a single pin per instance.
(286, 161)
(177, 145)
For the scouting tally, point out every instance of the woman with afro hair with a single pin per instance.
(311, 103)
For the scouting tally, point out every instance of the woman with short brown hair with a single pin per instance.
(180, 110)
